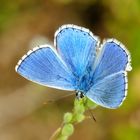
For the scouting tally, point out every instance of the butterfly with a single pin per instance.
(80, 63)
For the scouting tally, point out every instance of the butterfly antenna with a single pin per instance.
(91, 114)
(57, 99)
(63, 97)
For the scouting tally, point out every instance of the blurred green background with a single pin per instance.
(25, 113)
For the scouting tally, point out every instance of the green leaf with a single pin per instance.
(79, 107)
(79, 118)
(67, 117)
(67, 130)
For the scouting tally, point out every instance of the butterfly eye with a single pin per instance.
(79, 94)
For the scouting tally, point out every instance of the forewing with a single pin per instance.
(77, 47)
(109, 92)
(113, 57)
(43, 66)
(109, 83)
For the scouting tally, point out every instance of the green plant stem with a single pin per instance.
(70, 119)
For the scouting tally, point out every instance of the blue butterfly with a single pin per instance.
(79, 63)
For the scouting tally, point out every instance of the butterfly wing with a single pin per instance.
(113, 57)
(77, 47)
(44, 66)
(110, 77)
(110, 91)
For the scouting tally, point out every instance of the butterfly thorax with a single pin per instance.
(85, 82)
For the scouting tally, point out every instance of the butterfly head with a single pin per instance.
(79, 94)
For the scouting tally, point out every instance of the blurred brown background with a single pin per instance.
(25, 113)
